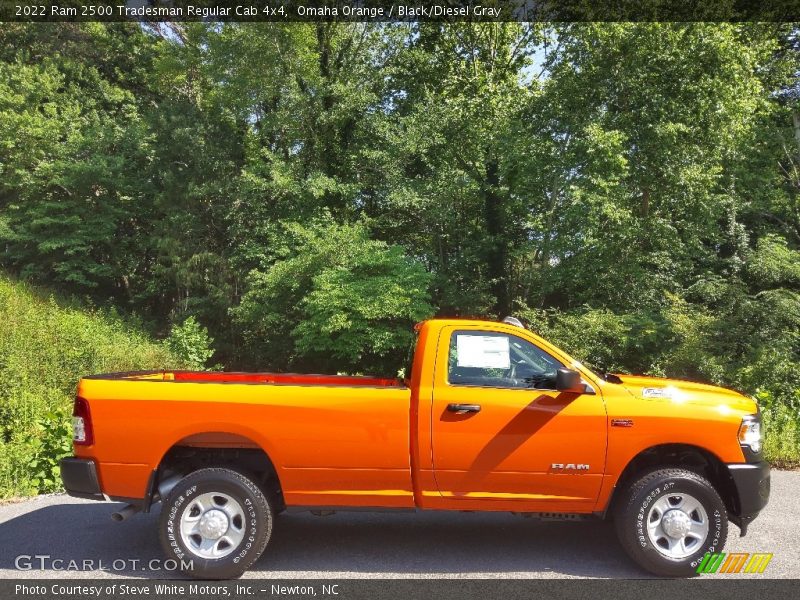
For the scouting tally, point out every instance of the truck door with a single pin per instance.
(500, 431)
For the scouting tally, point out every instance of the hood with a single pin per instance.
(686, 392)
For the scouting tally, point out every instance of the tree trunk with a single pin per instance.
(497, 248)
(544, 256)
(645, 204)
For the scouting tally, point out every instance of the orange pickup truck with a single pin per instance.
(491, 418)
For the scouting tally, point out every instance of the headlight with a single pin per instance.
(750, 432)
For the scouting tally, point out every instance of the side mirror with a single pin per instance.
(568, 380)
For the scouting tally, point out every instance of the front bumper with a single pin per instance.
(751, 482)
(80, 478)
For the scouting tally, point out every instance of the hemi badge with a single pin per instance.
(622, 422)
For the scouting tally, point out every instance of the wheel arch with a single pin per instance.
(215, 446)
(687, 456)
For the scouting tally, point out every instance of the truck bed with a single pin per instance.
(326, 435)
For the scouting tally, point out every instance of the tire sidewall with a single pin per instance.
(258, 523)
(634, 524)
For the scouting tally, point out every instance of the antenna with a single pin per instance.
(513, 321)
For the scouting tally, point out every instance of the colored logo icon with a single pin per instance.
(741, 562)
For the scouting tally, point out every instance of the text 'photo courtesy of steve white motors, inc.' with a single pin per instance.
(176, 589)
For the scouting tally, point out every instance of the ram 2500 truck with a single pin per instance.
(492, 418)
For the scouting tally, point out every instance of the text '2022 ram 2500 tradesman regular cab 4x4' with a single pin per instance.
(492, 418)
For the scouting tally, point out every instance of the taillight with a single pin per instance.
(82, 433)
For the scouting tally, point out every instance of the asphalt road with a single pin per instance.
(373, 545)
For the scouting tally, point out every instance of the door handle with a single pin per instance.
(462, 409)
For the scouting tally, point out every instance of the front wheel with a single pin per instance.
(669, 519)
(215, 523)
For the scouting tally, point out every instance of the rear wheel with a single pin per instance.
(215, 523)
(668, 519)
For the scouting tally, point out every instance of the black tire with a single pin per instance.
(636, 503)
(257, 525)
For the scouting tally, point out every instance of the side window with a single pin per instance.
(491, 359)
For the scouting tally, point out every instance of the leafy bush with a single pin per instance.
(782, 446)
(615, 343)
(190, 342)
(338, 300)
(45, 347)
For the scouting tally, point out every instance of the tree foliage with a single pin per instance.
(190, 342)
(307, 191)
(338, 299)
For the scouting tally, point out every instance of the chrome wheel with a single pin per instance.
(677, 525)
(213, 525)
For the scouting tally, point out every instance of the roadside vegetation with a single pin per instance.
(271, 196)
(45, 346)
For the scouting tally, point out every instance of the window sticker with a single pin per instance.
(483, 351)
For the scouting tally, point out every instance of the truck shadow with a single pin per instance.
(82, 537)
(445, 543)
(340, 545)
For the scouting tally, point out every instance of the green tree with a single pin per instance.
(454, 98)
(646, 124)
(337, 299)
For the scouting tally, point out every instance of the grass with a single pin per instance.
(46, 345)
(782, 441)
